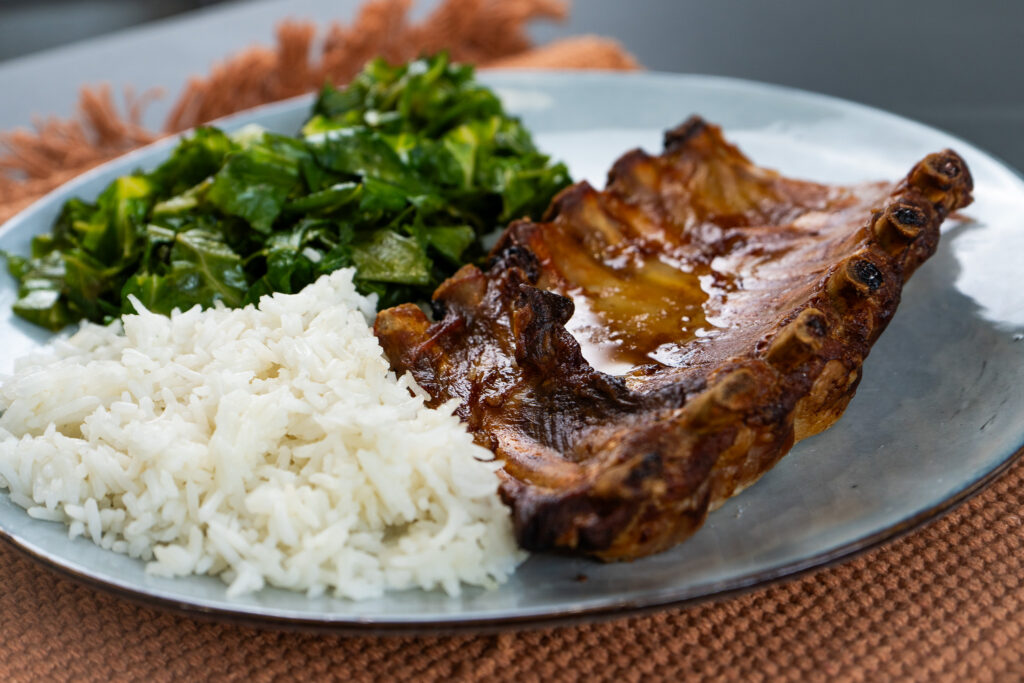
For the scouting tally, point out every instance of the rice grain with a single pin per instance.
(267, 445)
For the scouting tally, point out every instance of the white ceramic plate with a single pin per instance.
(939, 412)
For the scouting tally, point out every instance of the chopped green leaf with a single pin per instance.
(253, 184)
(387, 256)
(399, 175)
(195, 158)
(327, 200)
(201, 271)
(451, 241)
(41, 281)
(364, 153)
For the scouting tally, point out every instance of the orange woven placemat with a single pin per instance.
(945, 604)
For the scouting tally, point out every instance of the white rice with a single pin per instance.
(267, 445)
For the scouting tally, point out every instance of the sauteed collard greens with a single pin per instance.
(399, 175)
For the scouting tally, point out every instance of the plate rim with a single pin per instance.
(610, 608)
(447, 624)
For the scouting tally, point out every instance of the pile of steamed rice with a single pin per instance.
(267, 445)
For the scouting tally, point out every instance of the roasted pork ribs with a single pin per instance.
(649, 350)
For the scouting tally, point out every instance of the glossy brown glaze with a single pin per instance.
(651, 349)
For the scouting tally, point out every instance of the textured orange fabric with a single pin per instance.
(943, 604)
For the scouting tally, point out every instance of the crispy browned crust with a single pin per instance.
(785, 285)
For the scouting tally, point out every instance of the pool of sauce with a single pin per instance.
(632, 307)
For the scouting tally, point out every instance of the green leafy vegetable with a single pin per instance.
(399, 175)
(253, 184)
(199, 269)
(386, 256)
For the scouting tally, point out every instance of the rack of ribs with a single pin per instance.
(649, 350)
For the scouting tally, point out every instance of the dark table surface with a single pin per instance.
(956, 66)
